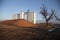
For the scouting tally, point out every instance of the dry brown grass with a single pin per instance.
(8, 32)
(19, 22)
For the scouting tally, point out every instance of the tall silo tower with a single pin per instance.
(34, 17)
(22, 15)
(31, 16)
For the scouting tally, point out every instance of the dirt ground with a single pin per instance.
(8, 32)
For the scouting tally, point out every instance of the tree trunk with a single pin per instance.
(46, 22)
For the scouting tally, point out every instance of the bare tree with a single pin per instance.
(46, 15)
(56, 17)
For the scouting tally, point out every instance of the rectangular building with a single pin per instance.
(31, 16)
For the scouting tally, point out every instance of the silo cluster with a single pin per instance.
(30, 16)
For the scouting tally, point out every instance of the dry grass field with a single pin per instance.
(8, 32)
(26, 31)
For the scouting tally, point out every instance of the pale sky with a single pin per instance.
(10, 7)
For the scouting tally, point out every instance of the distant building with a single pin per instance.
(21, 15)
(15, 16)
(31, 16)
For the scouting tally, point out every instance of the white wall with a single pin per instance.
(31, 16)
(22, 15)
(34, 18)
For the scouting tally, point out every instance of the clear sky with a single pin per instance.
(10, 7)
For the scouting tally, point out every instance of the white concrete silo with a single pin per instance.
(31, 16)
(34, 13)
(22, 15)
